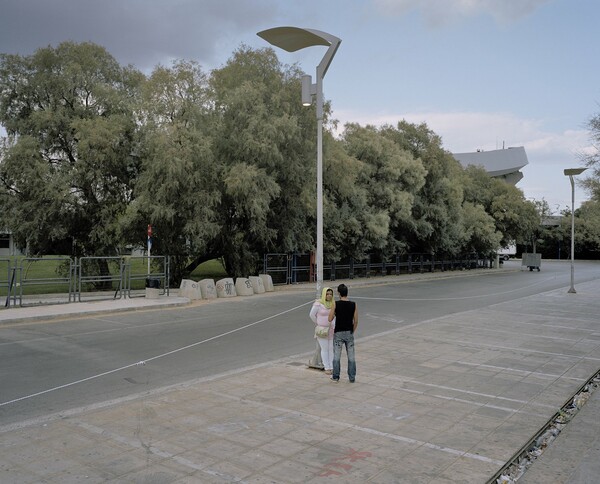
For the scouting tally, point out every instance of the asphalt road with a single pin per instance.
(49, 367)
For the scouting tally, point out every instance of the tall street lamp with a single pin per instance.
(292, 39)
(571, 172)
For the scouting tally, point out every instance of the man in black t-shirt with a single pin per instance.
(345, 313)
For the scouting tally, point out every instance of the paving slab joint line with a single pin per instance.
(518, 464)
(359, 428)
(139, 444)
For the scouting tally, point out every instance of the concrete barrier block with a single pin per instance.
(152, 293)
(190, 289)
(257, 284)
(267, 282)
(226, 287)
(243, 287)
(208, 290)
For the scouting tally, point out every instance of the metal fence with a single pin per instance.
(32, 281)
(293, 268)
(139, 270)
(7, 280)
(55, 280)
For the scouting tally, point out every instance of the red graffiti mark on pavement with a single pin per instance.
(329, 472)
(333, 463)
(330, 469)
(354, 455)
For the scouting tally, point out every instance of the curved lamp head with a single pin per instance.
(292, 39)
(295, 38)
(574, 171)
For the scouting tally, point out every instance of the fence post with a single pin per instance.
(79, 279)
(73, 279)
(125, 277)
(292, 268)
(168, 271)
(12, 274)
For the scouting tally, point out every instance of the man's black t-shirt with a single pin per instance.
(344, 316)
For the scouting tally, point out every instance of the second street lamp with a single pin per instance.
(571, 172)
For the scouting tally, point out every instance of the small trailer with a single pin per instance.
(531, 261)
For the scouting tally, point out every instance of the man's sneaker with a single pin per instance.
(335, 380)
(351, 381)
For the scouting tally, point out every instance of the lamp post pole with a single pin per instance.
(560, 228)
(319, 182)
(292, 39)
(571, 172)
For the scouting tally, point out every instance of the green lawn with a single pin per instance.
(212, 269)
(49, 275)
(45, 275)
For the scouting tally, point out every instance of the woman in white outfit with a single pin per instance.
(319, 313)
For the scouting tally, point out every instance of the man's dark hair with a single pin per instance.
(343, 290)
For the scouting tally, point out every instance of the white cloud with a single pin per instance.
(469, 131)
(443, 12)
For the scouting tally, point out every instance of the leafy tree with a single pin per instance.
(67, 171)
(592, 181)
(390, 178)
(265, 155)
(480, 229)
(436, 225)
(515, 218)
(177, 189)
(587, 230)
(587, 226)
(345, 204)
(553, 234)
(538, 233)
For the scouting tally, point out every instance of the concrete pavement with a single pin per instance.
(54, 311)
(448, 400)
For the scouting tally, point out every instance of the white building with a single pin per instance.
(504, 163)
(7, 246)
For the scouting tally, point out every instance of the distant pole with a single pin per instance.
(560, 228)
(149, 246)
(572, 289)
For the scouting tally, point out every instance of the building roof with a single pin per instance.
(504, 163)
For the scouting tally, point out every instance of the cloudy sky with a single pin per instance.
(483, 74)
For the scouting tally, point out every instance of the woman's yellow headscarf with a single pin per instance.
(324, 300)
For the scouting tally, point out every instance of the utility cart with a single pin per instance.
(531, 261)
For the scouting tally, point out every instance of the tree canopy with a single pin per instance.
(67, 169)
(223, 164)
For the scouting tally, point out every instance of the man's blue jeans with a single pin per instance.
(343, 338)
